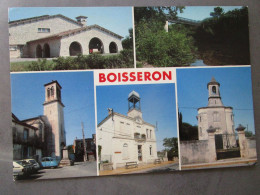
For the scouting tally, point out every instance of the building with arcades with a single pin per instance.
(123, 139)
(51, 36)
(43, 135)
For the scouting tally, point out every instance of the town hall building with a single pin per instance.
(123, 139)
(51, 36)
(43, 135)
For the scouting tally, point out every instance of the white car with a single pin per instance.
(36, 165)
(18, 171)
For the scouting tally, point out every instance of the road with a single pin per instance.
(80, 169)
(161, 169)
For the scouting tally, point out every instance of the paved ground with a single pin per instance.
(149, 168)
(80, 169)
(234, 162)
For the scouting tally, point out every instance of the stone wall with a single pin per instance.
(194, 151)
(251, 143)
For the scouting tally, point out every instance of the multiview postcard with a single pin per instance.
(128, 90)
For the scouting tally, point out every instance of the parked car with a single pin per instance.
(18, 170)
(35, 164)
(27, 166)
(49, 162)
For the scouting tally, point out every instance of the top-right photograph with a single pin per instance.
(191, 36)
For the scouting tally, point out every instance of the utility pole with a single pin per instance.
(84, 143)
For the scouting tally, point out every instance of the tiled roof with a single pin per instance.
(43, 17)
(73, 31)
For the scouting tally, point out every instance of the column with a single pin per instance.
(242, 141)
(212, 156)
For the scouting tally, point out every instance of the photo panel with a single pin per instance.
(52, 113)
(188, 36)
(70, 38)
(216, 117)
(136, 126)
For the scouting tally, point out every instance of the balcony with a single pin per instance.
(139, 137)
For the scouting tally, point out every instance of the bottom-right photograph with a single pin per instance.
(216, 117)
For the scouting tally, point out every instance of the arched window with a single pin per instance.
(48, 92)
(52, 91)
(38, 51)
(75, 49)
(125, 151)
(46, 51)
(216, 117)
(214, 90)
(96, 46)
(112, 47)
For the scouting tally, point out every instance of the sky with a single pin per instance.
(115, 19)
(157, 105)
(235, 91)
(202, 12)
(77, 94)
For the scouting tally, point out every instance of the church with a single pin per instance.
(123, 139)
(216, 115)
(43, 135)
(49, 36)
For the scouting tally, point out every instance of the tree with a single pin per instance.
(218, 11)
(171, 146)
(249, 134)
(128, 41)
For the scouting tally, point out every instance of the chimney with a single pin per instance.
(82, 20)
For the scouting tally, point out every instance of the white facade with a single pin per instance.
(57, 32)
(126, 139)
(215, 115)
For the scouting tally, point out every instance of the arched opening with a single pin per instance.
(96, 46)
(75, 49)
(46, 51)
(214, 91)
(39, 51)
(112, 47)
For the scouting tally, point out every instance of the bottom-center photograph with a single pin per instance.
(136, 129)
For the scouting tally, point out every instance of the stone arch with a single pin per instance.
(39, 51)
(96, 46)
(46, 51)
(75, 48)
(113, 47)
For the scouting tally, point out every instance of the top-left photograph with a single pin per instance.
(70, 38)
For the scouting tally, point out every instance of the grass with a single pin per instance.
(23, 66)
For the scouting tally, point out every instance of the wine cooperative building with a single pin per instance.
(123, 139)
(50, 36)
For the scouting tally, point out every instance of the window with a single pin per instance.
(216, 117)
(44, 30)
(151, 151)
(25, 134)
(52, 91)
(200, 131)
(147, 133)
(151, 134)
(125, 151)
(214, 90)
(200, 118)
(48, 92)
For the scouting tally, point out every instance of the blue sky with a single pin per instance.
(202, 12)
(157, 104)
(235, 91)
(116, 19)
(77, 96)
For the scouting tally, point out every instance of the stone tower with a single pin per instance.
(53, 110)
(216, 115)
(134, 105)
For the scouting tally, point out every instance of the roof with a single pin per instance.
(53, 82)
(134, 93)
(121, 115)
(213, 82)
(77, 30)
(16, 120)
(43, 17)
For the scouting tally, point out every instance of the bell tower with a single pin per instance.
(214, 93)
(134, 105)
(53, 110)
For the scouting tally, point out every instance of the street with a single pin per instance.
(80, 169)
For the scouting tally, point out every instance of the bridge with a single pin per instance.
(180, 20)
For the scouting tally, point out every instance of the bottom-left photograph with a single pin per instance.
(53, 125)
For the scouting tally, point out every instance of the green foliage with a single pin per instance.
(249, 134)
(171, 146)
(127, 43)
(70, 149)
(218, 11)
(224, 39)
(93, 61)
